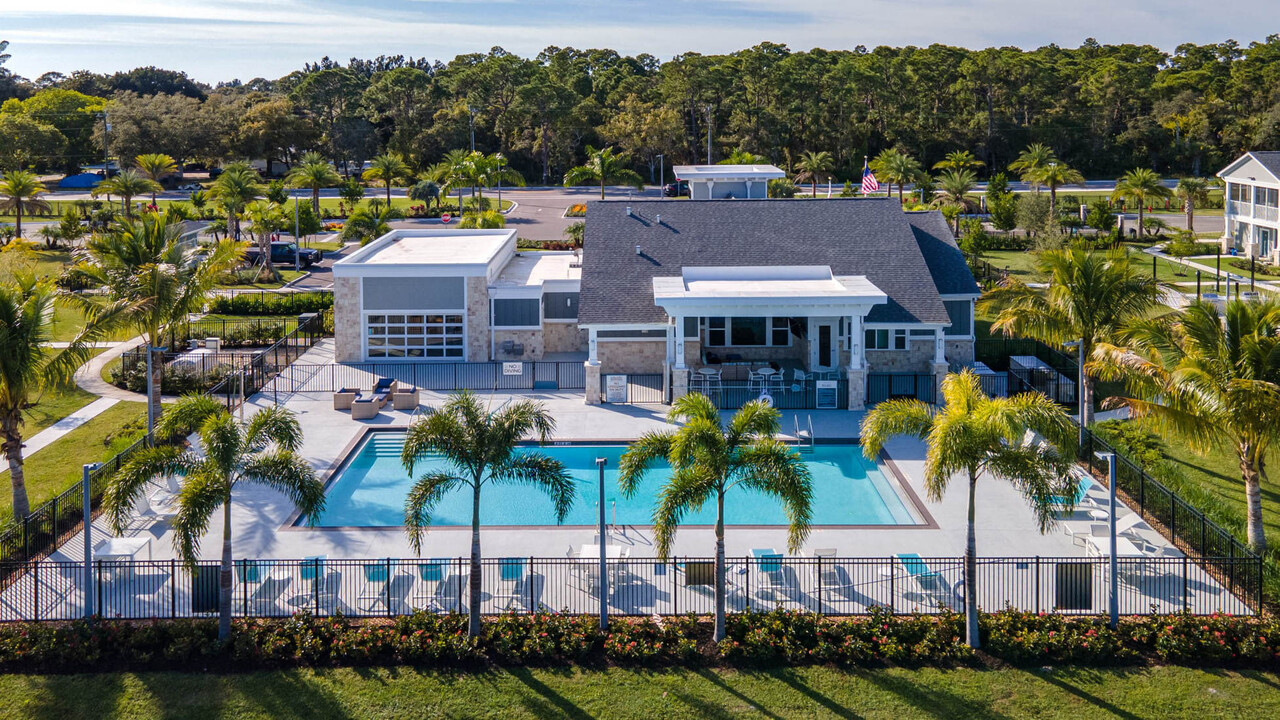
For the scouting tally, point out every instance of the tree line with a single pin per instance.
(1103, 109)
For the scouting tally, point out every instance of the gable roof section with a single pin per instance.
(1268, 159)
(947, 266)
(870, 237)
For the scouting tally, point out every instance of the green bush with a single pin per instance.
(271, 303)
(781, 188)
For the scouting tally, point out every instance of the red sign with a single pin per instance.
(445, 218)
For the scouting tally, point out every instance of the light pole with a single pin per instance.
(604, 581)
(501, 162)
(708, 107)
(471, 113)
(88, 538)
(1080, 380)
(1113, 602)
(662, 175)
(297, 263)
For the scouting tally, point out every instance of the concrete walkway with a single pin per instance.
(89, 376)
(45, 437)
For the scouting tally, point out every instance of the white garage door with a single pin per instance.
(433, 337)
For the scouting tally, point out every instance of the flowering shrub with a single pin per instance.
(773, 638)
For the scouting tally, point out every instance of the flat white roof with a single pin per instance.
(432, 247)
(728, 172)
(753, 288)
(533, 268)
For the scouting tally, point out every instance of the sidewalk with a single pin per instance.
(89, 376)
(45, 437)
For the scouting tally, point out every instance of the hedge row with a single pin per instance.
(754, 639)
(271, 303)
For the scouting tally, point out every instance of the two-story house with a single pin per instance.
(1252, 209)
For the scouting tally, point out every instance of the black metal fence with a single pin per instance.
(635, 389)
(635, 586)
(41, 531)
(888, 386)
(253, 376)
(331, 377)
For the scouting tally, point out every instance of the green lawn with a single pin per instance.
(1020, 263)
(540, 693)
(58, 466)
(44, 263)
(55, 405)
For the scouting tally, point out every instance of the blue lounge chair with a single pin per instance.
(432, 585)
(374, 593)
(511, 580)
(929, 582)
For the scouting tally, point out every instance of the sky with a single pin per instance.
(214, 40)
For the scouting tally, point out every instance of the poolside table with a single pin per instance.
(588, 554)
(1101, 546)
(122, 549)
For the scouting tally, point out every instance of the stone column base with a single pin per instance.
(679, 383)
(939, 373)
(857, 389)
(592, 383)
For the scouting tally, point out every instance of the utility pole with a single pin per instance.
(471, 113)
(662, 175)
(708, 107)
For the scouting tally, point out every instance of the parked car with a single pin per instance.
(679, 188)
(282, 253)
(190, 187)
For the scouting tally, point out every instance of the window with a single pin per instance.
(1268, 197)
(1241, 193)
(414, 336)
(748, 332)
(886, 339)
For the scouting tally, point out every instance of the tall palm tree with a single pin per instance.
(263, 451)
(484, 220)
(155, 166)
(128, 184)
(708, 460)
(491, 170)
(451, 172)
(1191, 190)
(974, 435)
(896, 168)
(1210, 380)
(265, 219)
(159, 280)
(1091, 296)
(1055, 175)
(958, 160)
(813, 166)
(386, 168)
(369, 223)
(30, 365)
(604, 167)
(478, 446)
(1140, 185)
(1032, 161)
(20, 192)
(235, 188)
(314, 175)
(952, 190)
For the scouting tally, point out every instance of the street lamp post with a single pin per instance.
(297, 262)
(471, 114)
(87, 471)
(1113, 602)
(708, 107)
(604, 578)
(662, 174)
(1080, 380)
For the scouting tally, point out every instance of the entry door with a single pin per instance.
(827, 355)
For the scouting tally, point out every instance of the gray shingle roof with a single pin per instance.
(870, 237)
(946, 263)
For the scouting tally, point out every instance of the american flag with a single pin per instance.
(869, 183)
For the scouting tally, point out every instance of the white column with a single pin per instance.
(748, 189)
(711, 190)
(671, 344)
(593, 357)
(857, 359)
(679, 323)
(939, 347)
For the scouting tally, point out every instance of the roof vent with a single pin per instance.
(638, 250)
(659, 218)
(628, 211)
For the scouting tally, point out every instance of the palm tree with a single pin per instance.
(604, 167)
(1091, 296)
(952, 188)
(265, 219)
(813, 166)
(896, 167)
(742, 157)
(263, 451)
(314, 175)
(155, 166)
(30, 365)
(1140, 185)
(1032, 161)
(386, 168)
(369, 223)
(451, 172)
(159, 280)
(977, 435)
(128, 184)
(478, 446)
(20, 192)
(1212, 381)
(1191, 190)
(1054, 175)
(236, 187)
(490, 170)
(483, 219)
(958, 160)
(707, 461)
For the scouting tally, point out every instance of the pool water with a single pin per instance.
(369, 490)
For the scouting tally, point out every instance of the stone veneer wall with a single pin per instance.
(918, 357)
(477, 319)
(561, 337)
(641, 358)
(960, 351)
(532, 340)
(347, 322)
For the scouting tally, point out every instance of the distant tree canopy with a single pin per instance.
(1101, 109)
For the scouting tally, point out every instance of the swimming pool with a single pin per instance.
(369, 488)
